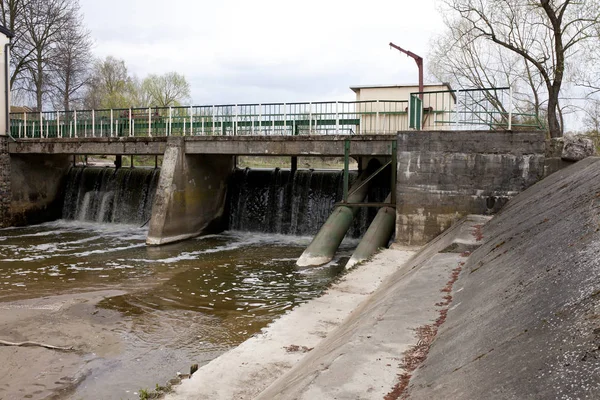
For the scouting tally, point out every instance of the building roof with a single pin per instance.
(8, 33)
(355, 89)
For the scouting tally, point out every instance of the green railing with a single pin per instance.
(478, 109)
(310, 118)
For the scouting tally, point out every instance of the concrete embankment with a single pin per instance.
(358, 333)
(525, 321)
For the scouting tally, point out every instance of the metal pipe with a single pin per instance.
(323, 247)
(419, 61)
(377, 236)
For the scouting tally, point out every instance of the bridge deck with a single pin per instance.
(361, 145)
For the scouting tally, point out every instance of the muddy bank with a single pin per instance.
(70, 320)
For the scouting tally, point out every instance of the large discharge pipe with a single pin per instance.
(323, 247)
(377, 236)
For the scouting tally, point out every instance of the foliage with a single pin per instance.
(170, 89)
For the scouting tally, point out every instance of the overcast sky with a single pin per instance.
(235, 51)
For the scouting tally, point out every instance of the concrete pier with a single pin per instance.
(191, 194)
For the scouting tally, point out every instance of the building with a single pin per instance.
(385, 108)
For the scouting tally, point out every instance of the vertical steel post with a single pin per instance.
(191, 112)
(170, 121)
(93, 123)
(75, 121)
(25, 124)
(394, 172)
(346, 168)
(337, 119)
(235, 121)
(310, 118)
(149, 121)
(377, 124)
(259, 119)
(130, 125)
(111, 123)
(213, 120)
(284, 119)
(456, 109)
(510, 108)
(58, 134)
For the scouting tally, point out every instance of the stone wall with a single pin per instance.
(5, 188)
(443, 176)
(37, 184)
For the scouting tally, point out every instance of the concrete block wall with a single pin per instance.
(5, 186)
(443, 176)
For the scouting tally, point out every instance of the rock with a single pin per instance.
(577, 148)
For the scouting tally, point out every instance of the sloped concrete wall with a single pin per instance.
(525, 318)
(191, 194)
(443, 176)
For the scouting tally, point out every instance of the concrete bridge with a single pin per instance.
(437, 175)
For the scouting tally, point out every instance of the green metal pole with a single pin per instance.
(394, 172)
(346, 168)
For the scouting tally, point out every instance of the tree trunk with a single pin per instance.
(554, 126)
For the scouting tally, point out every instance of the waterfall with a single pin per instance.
(272, 201)
(109, 195)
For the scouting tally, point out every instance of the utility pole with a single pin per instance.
(419, 61)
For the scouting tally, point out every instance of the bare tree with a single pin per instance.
(70, 66)
(170, 89)
(544, 34)
(12, 17)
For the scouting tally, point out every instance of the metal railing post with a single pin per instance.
(130, 124)
(93, 123)
(456, 109)
(213, 120)
(58, 133)
(284, 118)
(75, 122)
(510, 108)
(310, 118)
(149, 121)
(377, 123)
(235, 121)
(337, 119)
(111, 123)
(25, 124)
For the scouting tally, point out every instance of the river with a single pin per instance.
(177, 305)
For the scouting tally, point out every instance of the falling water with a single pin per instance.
(109, 195)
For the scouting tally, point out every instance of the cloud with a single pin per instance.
(239, 51)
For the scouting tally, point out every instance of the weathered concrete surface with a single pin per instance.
(445, 175)
(525, 321)
(37, 183)
(359, 360)
(190, 195)
(243, 372)
(5, 189)
(361, 145)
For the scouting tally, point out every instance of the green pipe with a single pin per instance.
(323, 247)
(376, 237)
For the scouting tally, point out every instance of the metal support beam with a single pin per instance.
(346, 168)
(394, 172)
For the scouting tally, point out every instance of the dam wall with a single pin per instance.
(443, 176)
(191, 194)
(31, 187)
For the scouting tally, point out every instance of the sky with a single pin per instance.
(261, 51)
